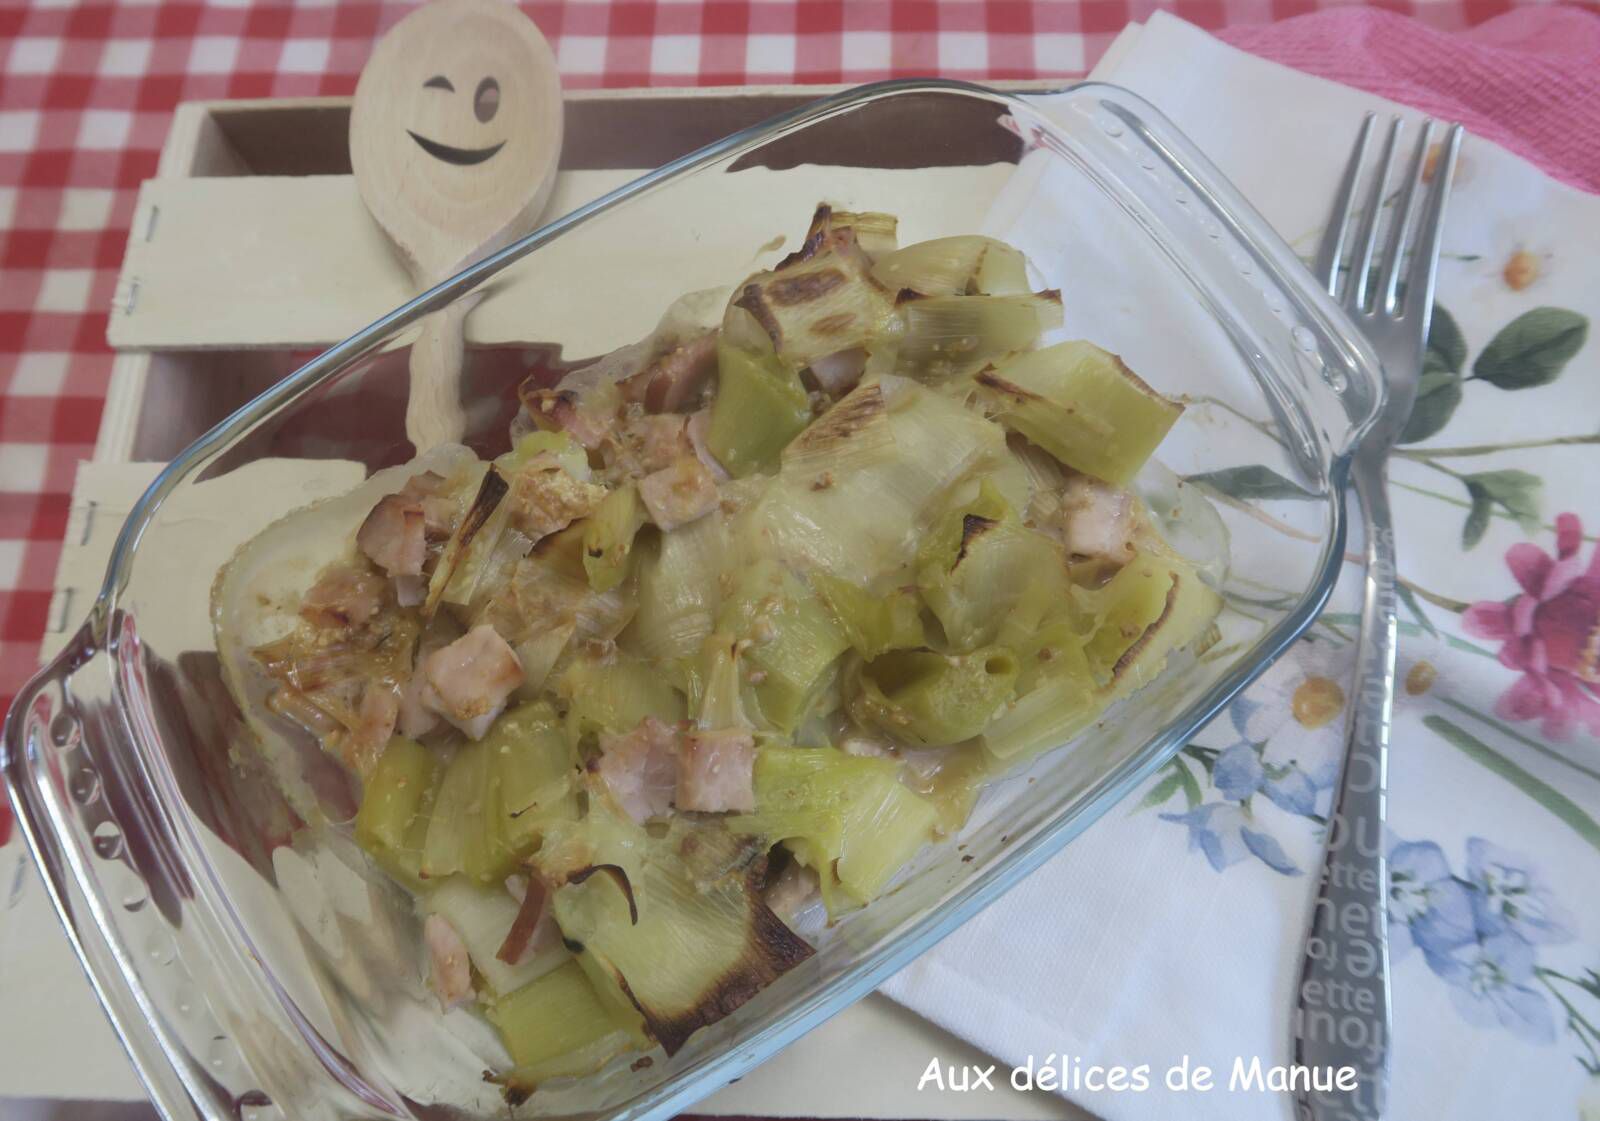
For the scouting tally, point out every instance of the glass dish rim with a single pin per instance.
(106, 623)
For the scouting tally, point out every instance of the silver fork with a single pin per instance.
(1341, 1017)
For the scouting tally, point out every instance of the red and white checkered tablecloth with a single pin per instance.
(87, 90)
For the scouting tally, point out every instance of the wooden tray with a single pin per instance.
(250, 250)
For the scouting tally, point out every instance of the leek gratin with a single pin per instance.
(744, 618)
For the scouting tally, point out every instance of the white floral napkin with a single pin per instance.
(1170, 932)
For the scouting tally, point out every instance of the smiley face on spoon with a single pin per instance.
(455, 131)
(485, 104)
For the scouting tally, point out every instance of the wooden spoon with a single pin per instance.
(454, 138)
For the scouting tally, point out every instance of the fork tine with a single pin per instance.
(1326, 268)
(1425, 253)
(1404, 213)
(1355, 297)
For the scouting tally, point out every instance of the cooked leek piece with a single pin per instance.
(954, 266)
(558, 1027)
(459, 834)
(882, 824)
(788, 638)
(679, 589)
(498, 797)
(559, 446)
(760, 406)
(481, 916)
(716, 688)
(541, 652)
(395, 806)
(907, 448)
(929, 699)
(874, 231)
(821, 829)
(949, 335)
(887, 825)
(978, 561)
(1003, 271)
(549, 590)
(854, 435)
(1083, 406)
(608, 536)
(819, 305)
(604, 835)
(1046, 642)
(457, 571)
(684, 936)
(1058, 707)
(953, 789)
(534, 777)
(483, 562)
(872, 624)
(614, 695)
(1058, 695)
(1153, 606)
(943, 266)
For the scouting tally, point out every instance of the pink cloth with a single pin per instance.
(1528, 80)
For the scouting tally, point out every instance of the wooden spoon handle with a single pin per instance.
(434, 414)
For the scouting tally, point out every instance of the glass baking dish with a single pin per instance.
(256, 968)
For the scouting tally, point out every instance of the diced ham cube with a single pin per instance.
(394, 535)
(716, 772)
(471, 678)
(343, 596)
(438, 509)
(449, 967)
(680, 494)
(640, 768)
(676, 378)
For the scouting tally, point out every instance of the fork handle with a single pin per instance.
(1341, 1017)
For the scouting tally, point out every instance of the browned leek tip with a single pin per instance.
(816, 235)
(620, 876)
(854, 412)
(490, 492)
(752, 301)
(1143, 640)
(803, 288)
(772, 950)
(973, 526)
(526, 922)
(1143, 386)
(987, 378)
